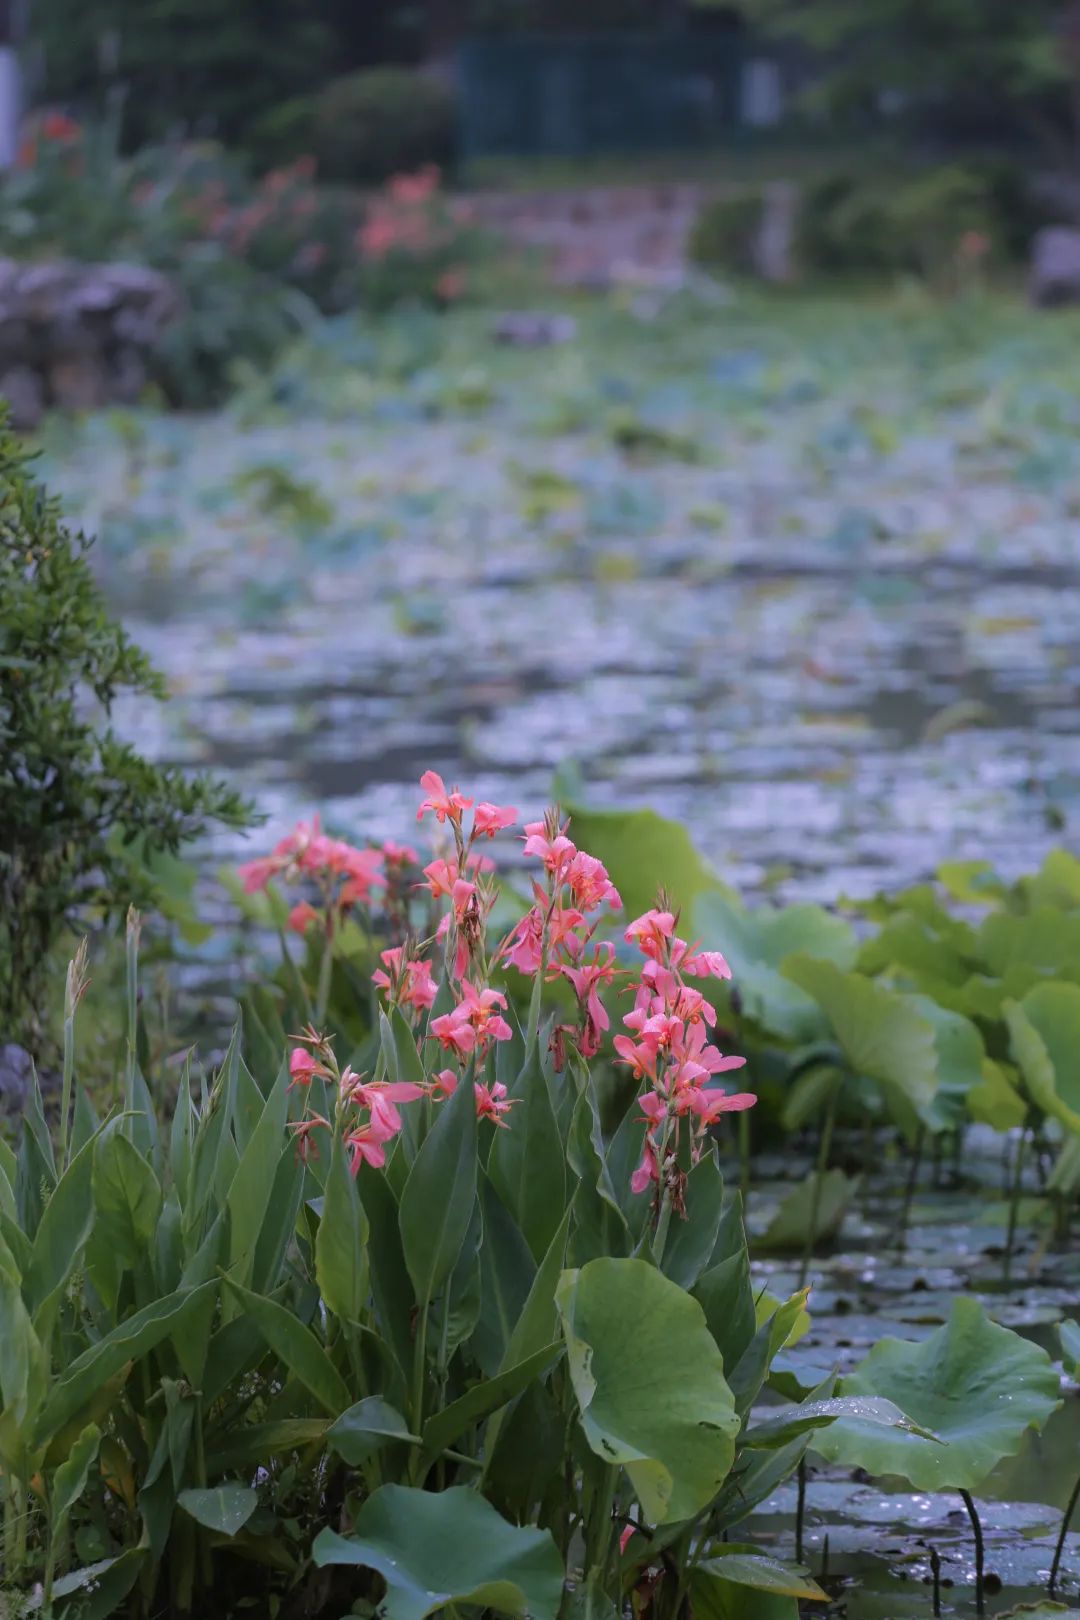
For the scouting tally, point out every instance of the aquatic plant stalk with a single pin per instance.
(1060, 1548)
(1014, 1202)
(819, 1177)
(973, 1515)
(909, 1186)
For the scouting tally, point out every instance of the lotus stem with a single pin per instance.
(909, 1186)
(1060, 1548)
(819, 1177)
(1014, 1202)
(935, 1574)
(973, 1515)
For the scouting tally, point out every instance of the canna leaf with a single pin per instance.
(437, 1201)
(341, 1241)
(296, 1345)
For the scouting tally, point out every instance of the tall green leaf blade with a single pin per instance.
(297, 1347)
(62, 1233)
(437, 1202)
(253, 1182)
(128, 1341)
(70, 1478)
(127, 1196)
(527, 1164)
(445, 1428)
(341, 1243)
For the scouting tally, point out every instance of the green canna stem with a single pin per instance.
(1060, 1548)
(420, 1367)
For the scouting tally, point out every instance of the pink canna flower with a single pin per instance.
(387, 977)
(651, 933)
(642, 1059)
(306, 1145)
(381, 1097)
(304, 1066)
(587, 981)
(255, 875)
(367, 1145)
(524, 948)
(453, 1033)
(709, 1104)
(697, 963)
(441, 876)
(419, 989)
(589, 882)
(396, 854)
(478, 1006)
(555, 852)
(447, 806)
(648, 1171)
(490, 819)
(301, 917)
(492, 1102)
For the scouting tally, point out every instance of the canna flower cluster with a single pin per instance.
(556, 938)
(669, 1049)
(340, 875)
(444, 977)
(366, 1113)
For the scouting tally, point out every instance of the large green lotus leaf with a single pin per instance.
(973, 882)
(650, 1383)
(756, 942)
(642, 852)
(1045, 938)
(786, 1232)
(448, 1547)
(974, 1384)
(960, 1056)
(1069, 1334)
(906, 942)
(1056, 883)
(747, 1565)
(717, 1598)
(995, 1101)
(224, 1508)
(1044, 1032)
(882, 1034)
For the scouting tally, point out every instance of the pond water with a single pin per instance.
(881, 1533)
(803, 576)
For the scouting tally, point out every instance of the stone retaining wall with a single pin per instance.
(78, 336)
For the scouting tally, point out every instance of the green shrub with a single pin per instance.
(74, 799)
(725, 231)
(384, 121)
(282, 134)
(928, 224)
